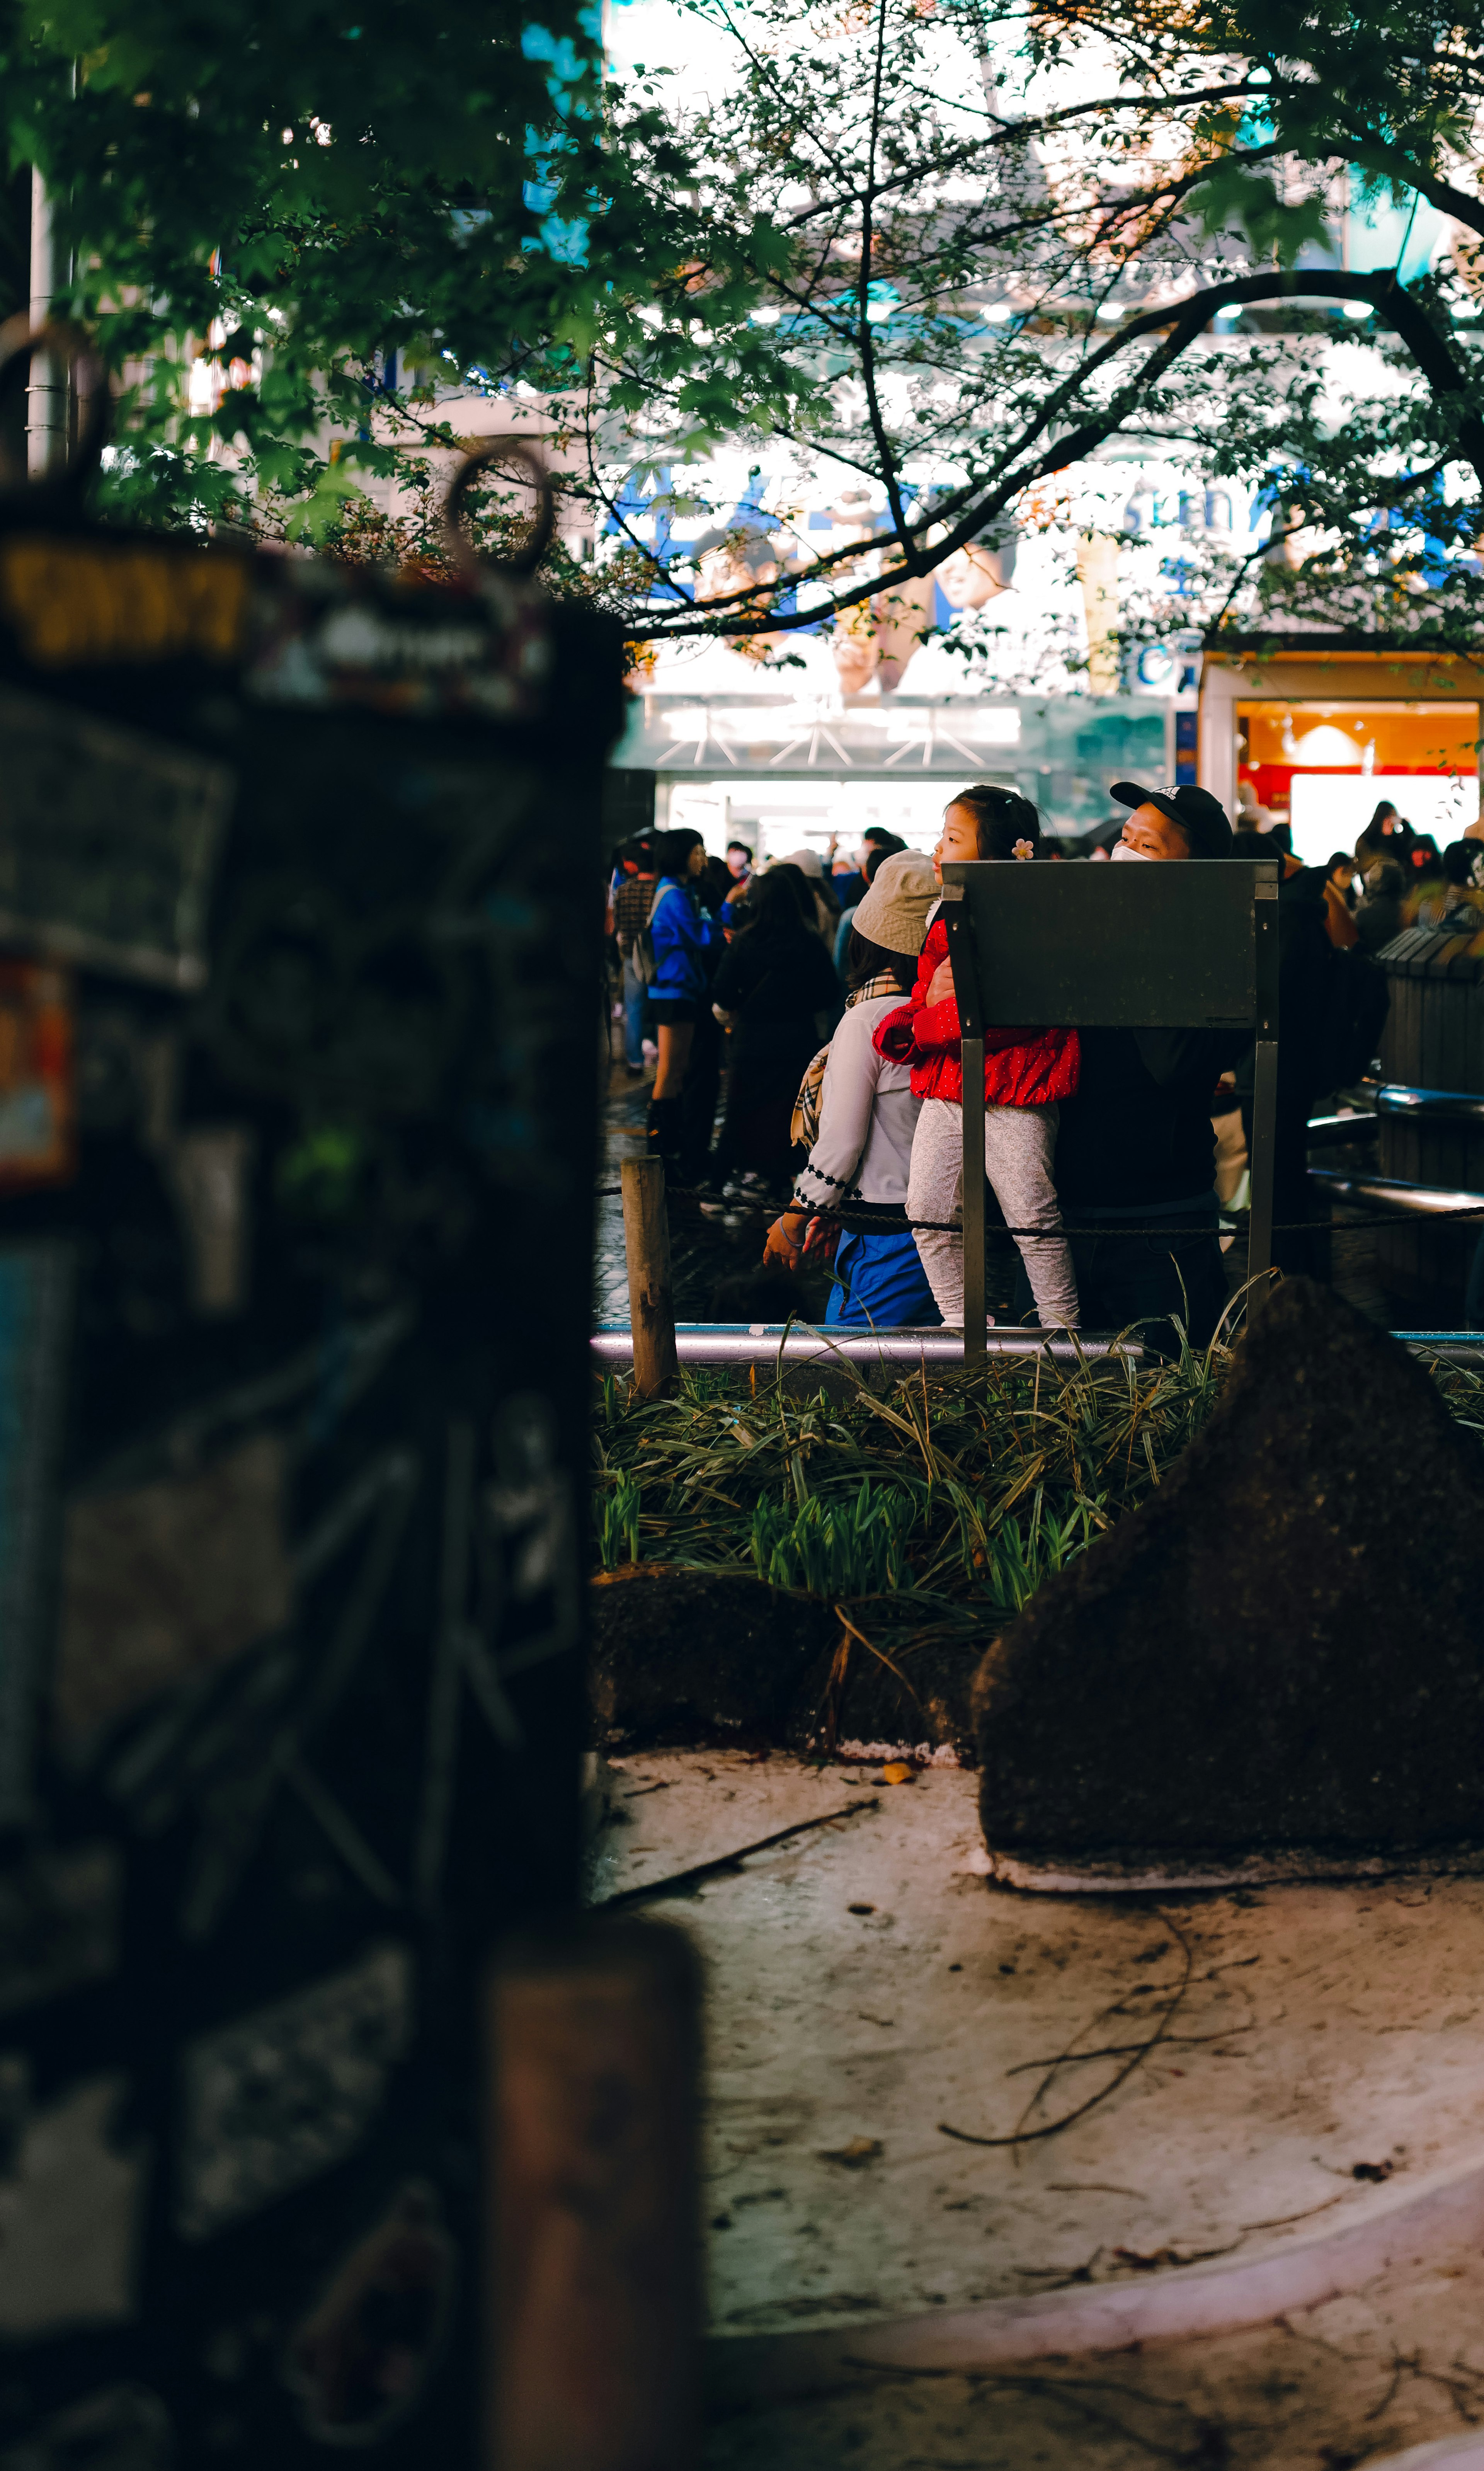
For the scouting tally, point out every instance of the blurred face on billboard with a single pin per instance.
(970, 578)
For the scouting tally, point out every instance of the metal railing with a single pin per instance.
(718, 1344)
(1400, 1098)
(1393, 1194)
(1340, 1132)
(700, 1343)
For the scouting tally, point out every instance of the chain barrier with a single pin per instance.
(886, 1220)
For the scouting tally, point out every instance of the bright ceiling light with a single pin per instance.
(1327, 747)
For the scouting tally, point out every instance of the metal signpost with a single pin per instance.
(1161, 947)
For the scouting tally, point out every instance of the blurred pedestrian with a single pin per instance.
(1339, 898)
(780, 996)
(798, 883)
(684, 940)
(1384, 843)
(849, 873)
(631, 901)
(1379, 920)
(826, 906)
(1453, 899)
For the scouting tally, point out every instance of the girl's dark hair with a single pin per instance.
(798, 884)
(864, 958)
(772, 905)
(672, 850)
(1458, 862)
(1002, 817)
(1384, 807)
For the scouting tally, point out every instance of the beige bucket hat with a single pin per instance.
(894, 912)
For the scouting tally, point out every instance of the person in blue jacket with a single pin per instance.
(688, 943)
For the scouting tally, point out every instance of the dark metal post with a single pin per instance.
(1265, 1091)
(970, 1023)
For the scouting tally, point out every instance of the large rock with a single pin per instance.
(1284, 1646)
(699, 1655)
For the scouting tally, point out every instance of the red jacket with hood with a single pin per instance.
(1022, 1068)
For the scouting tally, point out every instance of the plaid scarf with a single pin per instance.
(805, 1127)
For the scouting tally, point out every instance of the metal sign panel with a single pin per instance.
(1122, 947)
(1188, 946)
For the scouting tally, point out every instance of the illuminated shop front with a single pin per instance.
(1320, 734)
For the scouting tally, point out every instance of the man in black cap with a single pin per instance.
(1136, 1150)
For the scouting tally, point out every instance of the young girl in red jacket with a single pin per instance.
(1027, 1072)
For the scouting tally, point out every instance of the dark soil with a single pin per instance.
(700, 1657)
(1284, 1646)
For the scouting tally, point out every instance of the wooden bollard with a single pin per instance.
(651, 1311)
(595, 2349)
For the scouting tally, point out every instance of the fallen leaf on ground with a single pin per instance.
(898, 1773)
(856, 2155)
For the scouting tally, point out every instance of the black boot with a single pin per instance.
(661, 1133)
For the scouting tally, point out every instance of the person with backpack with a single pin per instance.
(676, 953)
(859, 1115)
(631, 899)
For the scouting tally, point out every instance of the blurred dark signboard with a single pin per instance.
(298, 1022)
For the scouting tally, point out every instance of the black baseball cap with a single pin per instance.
(1201, 817)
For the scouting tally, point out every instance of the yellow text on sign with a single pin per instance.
(76, 602)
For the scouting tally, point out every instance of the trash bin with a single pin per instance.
(1433, 1039)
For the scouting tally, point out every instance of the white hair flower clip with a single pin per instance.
(1025, 849)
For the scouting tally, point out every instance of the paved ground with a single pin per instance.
(866, 1988)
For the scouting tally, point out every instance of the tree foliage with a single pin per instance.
(1013, 238)
(916, 260)
(335, 204)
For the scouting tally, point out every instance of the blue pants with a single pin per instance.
(885, 1280)
(635, 996)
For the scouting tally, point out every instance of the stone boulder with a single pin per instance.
(1284, 1646)
(699, 1655)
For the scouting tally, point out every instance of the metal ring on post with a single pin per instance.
(538, 539)
(19, 343)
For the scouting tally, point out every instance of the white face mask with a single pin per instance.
(1123, 850)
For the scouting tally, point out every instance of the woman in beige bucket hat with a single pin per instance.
(867, 1117)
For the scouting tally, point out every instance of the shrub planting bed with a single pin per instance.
(917, 1519)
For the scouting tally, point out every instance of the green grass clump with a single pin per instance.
(947, 1499)
(933, 1509)
(943, 1502)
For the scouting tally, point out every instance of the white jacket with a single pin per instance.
(867, 1117)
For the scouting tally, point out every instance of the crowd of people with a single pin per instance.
(823, 983)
